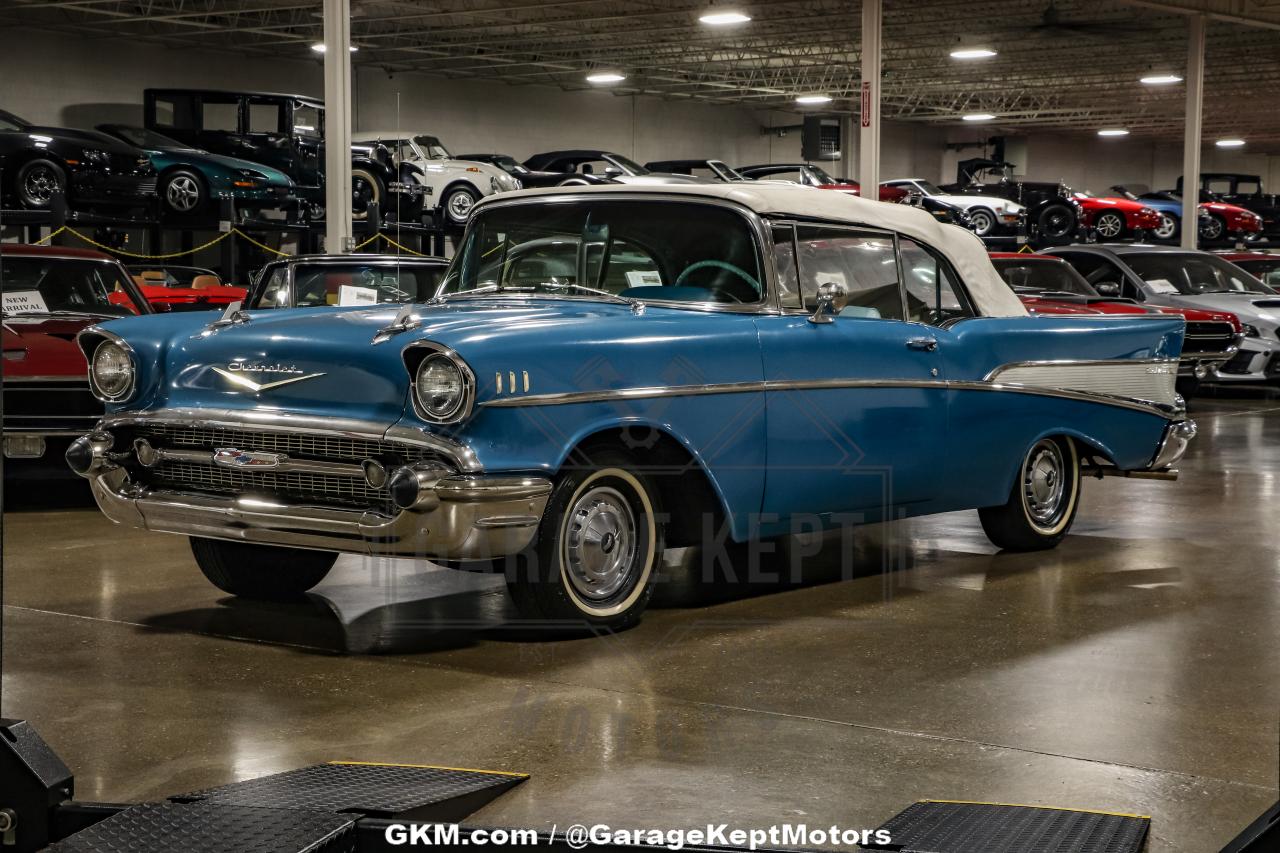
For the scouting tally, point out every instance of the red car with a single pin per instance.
(173, 288)
(1227, 220)
(1049, 285)
(1264, 266)
(1113, 218)
(50, 294)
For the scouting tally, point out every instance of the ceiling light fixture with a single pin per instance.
(813, 99)
(1230, 143)
(606, 77)
(1160, 79)
(723, 17)
(1113, 131)
(978, 117)
(972, 53)
(320, 47)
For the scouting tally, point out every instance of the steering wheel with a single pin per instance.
(713, 264)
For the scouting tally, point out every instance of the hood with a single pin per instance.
(1254, 308)
(1040, 305)
(1114, 203)
(338, 371)
(967, 201)
(196, 158)
(90, 139)
(44, 346)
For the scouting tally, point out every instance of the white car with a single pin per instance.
(990, 215)
(456, 185)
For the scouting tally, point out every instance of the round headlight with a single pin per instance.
(440, 387)
(112, 371)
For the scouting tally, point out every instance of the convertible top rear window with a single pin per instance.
(648, 250)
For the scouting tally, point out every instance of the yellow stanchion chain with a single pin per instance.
(403, 248)
(365, 243)
(262, 246)
(51, 236)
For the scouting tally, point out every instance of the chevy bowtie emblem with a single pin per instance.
(233, 458)
(236, 376)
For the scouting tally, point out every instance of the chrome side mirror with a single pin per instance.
(832, 298)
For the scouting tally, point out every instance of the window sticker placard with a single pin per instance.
(25, 302)
(644, 278)
(1161, 285)
(349, 294)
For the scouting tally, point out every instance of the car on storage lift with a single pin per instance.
(1246, 191)
(456, 183)
(1049, 285)
(1053, 214)
(51, 294)
(189, 181)
(1184, 278)
(990, 216)
(90, 170)
(1216, 219)
(809, 175)
(1116, 218)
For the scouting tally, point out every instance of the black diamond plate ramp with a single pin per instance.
(412, 792)
(213, 828)
(933, 826)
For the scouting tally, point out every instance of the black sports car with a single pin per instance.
(90, 169)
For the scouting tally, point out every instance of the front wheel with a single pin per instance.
(38, 182)
(596, 550)
(182, 193)
(1212, 228)
(457, 204)
(1167, 229)
(260, 571)
(1043, 502)
(366, 189)
(1110, 225)
(982, 220)
(1056, 222)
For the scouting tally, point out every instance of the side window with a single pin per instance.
(165, 112)
(865, 263)
(1248, 186)
(264, 118)
(275, 294)
(784, 259)
(220, 116)
(933, 294)
(1219, 186)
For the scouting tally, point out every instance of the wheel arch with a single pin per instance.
(1087, 446)
(686, 487)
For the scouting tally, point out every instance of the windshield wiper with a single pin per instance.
(613, 297)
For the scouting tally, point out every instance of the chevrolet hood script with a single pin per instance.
(241, 374)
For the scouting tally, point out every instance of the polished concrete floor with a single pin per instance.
(1134, 669)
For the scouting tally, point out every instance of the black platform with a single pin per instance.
(949, 827)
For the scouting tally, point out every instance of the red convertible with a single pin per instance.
(1049, 285)
(50, 294)
(171, 288)
(1113, 218)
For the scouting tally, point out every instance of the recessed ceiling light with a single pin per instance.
(1113, 131)
(723, 17)
(972, 53)
(978, 117)
(1161, 79)
(813, 99)
(1230, 143)
(606, 77)
(319, 47)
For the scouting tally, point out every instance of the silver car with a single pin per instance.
(1183, 278)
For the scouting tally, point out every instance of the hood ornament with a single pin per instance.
(402, 322)
(233, 316)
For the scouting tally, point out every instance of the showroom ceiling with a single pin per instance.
(1065, 64)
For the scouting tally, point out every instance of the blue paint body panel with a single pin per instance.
(888, 446)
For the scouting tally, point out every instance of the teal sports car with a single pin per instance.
(190, 181)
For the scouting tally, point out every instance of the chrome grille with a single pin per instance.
(286, 486)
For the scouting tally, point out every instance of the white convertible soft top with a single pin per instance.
(992, 297)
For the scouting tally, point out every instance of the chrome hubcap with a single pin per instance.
(460, 204)
(601, 544)
(183, 193)
(1044, 483)
(1167, 226)
(981, 221)
(41, 184)
(1109, 225)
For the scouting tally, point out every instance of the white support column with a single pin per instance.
(869, 118)
(1191, 139)
(337, 125)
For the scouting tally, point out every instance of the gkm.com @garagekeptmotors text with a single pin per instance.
(583, 836)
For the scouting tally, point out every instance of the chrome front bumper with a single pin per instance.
(466, 516)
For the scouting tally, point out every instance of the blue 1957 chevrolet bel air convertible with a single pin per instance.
(609, 371)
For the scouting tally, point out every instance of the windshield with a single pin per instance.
(634, 249)
(8, 121)
(350, 284)
(926, 187)
(432, 148)
(628, 166)
(35, 285)
(821, 176)
(1033, 276)
(1193, 274)
(143, 138)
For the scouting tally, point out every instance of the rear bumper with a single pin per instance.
(460, 517)
(1173, 445)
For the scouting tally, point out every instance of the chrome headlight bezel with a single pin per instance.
(422, 356)
(97, 386)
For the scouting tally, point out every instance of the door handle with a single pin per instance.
(926, 344)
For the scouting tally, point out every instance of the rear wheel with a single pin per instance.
(366, 189)
(38, 182)
(982, 220)
(1042, 504)
(1056, 222)
(1110, 225)
(596, 550)
(260, 571)
(1167, 229)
